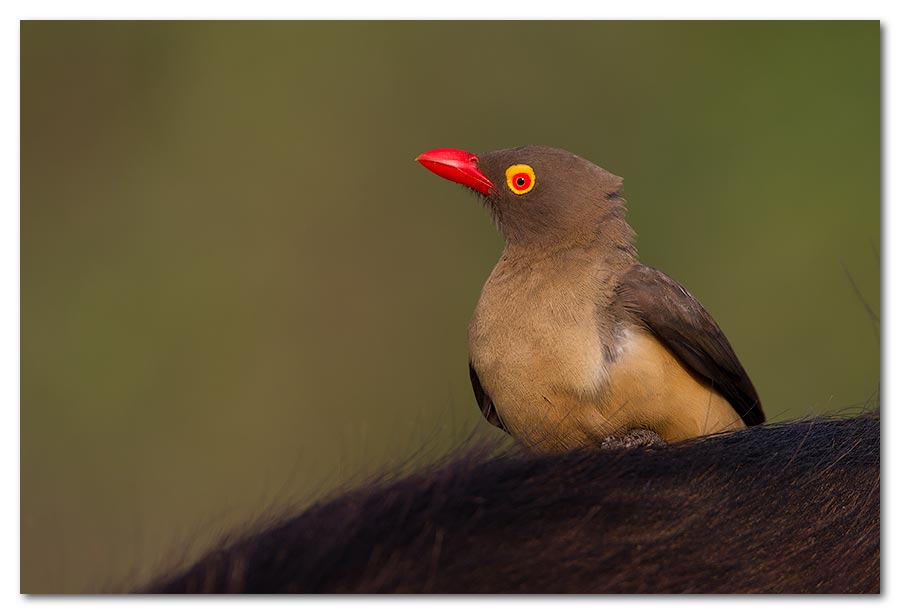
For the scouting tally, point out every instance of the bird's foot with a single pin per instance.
(638, 438)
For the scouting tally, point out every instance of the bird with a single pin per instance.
(574, 342)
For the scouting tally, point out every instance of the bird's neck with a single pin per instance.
(609, 244)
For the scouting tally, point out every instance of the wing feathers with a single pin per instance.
(685, 327)
(484, 401)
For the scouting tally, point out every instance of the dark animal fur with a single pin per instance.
(787, 508)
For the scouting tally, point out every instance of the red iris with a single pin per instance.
(522, 181)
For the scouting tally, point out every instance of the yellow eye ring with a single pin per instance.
(520, 178)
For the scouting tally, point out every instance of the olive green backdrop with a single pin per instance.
(239, 290)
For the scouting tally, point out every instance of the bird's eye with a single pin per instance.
(520, 178)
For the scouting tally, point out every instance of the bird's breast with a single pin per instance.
(548, 343)
(538, 348)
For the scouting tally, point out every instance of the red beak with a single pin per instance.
(456, 165)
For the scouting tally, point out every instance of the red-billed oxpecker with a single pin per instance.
(574, 342)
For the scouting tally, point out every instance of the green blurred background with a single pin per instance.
(239, 290)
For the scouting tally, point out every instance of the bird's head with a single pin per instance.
(537, 195)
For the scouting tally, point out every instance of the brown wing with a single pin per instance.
(484, 401)
(685, 327)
